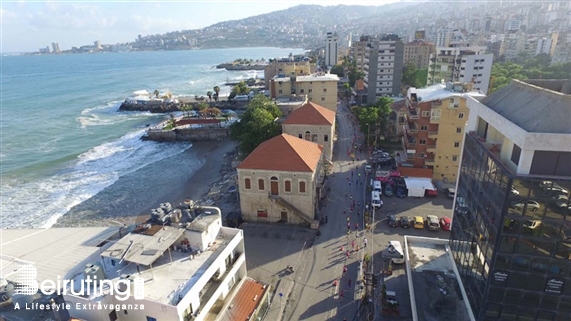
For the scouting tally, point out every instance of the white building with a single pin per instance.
(331, 49)
(466, 64)
(153, 272)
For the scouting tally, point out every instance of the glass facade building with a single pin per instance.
(511, 238)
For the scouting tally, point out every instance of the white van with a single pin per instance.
(375, 199)
(377, 186)
(395, 252)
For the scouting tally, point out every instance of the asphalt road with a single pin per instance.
(314, 295)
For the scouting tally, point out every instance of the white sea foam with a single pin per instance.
(107, 115)
(41, 203)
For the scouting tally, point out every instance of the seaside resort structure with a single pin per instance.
(313, 123)
(433, 120)
(281, 181)
(320, 88)
(511, 231)
(153, 272)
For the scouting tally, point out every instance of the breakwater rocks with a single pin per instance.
(230, 66)
(187, 134)
(169, 107)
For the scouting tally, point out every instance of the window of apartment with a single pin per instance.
(422, 142)
(516, 153)
(425, 113)
(322, 98)
(300, 136)
(287, 186)
(324, 90)
(424, 127)
(458, 130)
(279, 91)
(325, 138)
(262, 213)
(456, 144)
(451, 100)
(461, 115)
(151, 319)
(301, 91)
(314, 137)
(302, 187)
(261, 184)
(307, 135)
(421, 155)
(382, 70)
(279, 82)
(310, 90)
(454, 158)
(247, 183)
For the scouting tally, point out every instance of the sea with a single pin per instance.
(66, 147)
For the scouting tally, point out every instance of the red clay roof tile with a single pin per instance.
(311, 114)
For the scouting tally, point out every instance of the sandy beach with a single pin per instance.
(210, 182)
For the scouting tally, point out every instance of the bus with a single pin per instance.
(396, 252)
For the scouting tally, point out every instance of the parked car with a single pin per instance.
(432, 222)
(418, 222)
(563, 204)
(404, 221)
(514, 191)
(549, 186)
(400, 192)
(392, 221)
(368, 168)
(445, 223)
(388, 190)
(531, 224)
(430, 193)
(531, 205)
(450, 193)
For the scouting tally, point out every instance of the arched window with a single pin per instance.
(274, 186)
(307, 135)
(261, 184)
(247, 184)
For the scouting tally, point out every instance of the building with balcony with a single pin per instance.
(164, 270)
(319, 88)
(281, 181)
(465, 64)
(331, 49)
(290, 67)
(433, 127)
(358, 51)
(511, 233)
(418, 53)
(383, 67)
(313, 123)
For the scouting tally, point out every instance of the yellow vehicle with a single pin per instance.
(418, 222)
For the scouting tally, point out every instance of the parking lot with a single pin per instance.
(411, 207)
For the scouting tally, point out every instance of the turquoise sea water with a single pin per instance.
(65, 146)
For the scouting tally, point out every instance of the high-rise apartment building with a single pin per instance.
(331, 49)
(55, 47)
(433, 127)
(511, 233)
(383, 67)
(97, 44)
(418, 53)
(562, 51)
(358, 49)
(465, 64)
(514, 44)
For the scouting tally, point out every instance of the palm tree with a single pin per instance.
(209, 94)
(217, 91)
(156, 93)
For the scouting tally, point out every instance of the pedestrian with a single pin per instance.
(365, 242)
(353, 244)
(348, 219)
(348, 225)
(340, 293)
(348, 253)
(357, 247)
(344, 270)
(342, 249)
(356, 226)
(349, 282)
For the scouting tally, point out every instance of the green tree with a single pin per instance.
(202, 108)
(216, 93)
(156, 93)
(240, 88)
(209, 94)
(186, 110)
(338, 70)
(257, 124)
(213, 111)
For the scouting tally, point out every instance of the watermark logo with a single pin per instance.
(122, 289)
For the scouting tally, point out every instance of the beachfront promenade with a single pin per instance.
(309, 293)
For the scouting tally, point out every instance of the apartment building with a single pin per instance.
(562, 51)
(418, 53)
(433, 127)
(313, 123)
(461, 64)
(160, 270)
(319, 88)
(358, 51)
(383, 67)
(289, 67)
(331, 49)
(514, 44)
(511, 231)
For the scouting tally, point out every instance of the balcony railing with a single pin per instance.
(429, 161)
(431, 148)
(435, 119)
(432, 133)
(412, 113)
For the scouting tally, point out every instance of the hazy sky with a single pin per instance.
(29, 25)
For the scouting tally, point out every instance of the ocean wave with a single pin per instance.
(105, 115)
(40, 203)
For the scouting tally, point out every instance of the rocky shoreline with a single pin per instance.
(231, 66)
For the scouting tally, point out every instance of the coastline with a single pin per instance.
(216, 173)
